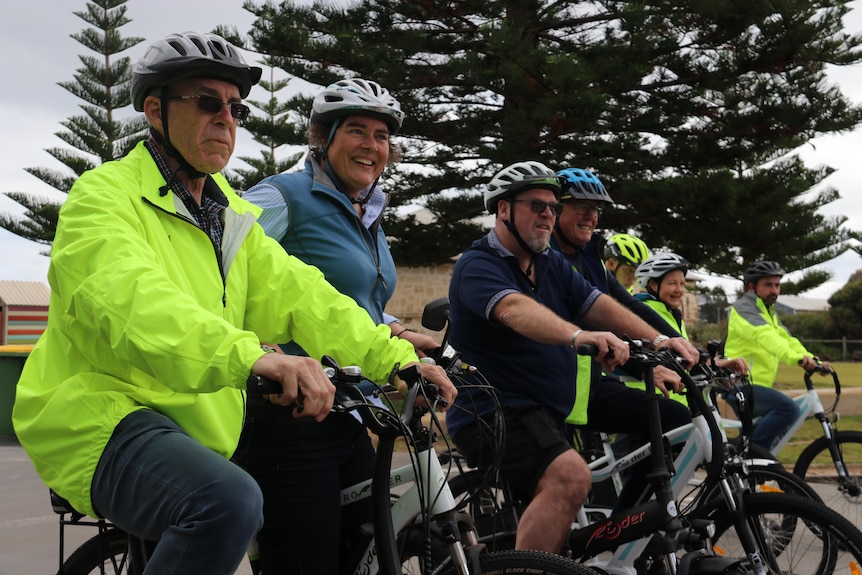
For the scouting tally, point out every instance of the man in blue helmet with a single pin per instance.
(613, 407)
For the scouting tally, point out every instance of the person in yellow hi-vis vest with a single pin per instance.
(663, 278)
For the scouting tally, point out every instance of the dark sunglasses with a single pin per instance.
(539, 207)
(213, 105)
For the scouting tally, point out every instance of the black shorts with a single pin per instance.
(533, 439)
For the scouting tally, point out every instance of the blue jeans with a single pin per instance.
(777, 413)
(158, 483)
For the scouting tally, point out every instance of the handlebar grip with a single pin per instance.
(260, 385)
(587, 349)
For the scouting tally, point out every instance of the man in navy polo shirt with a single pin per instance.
(516, 308)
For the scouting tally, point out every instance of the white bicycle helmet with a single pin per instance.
(657, 266)
(357, 97)
(511, 179)
(190, 55)
(580, 184)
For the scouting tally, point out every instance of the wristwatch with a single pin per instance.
(658, 339)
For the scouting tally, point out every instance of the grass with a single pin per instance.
(810, 431)
(790, 377)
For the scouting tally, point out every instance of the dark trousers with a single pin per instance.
(301, 466)
(158, 483)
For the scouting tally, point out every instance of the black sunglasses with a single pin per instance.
(213, 105)
(539, 206)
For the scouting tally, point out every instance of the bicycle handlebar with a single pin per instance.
(348, 396)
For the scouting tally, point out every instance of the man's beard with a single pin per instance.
(537, 241)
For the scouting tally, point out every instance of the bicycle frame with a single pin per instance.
(426, 480)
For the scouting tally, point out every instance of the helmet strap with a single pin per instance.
(654, 292)
(339, 185)
(336, 181)
(510, 225)
(170, 150)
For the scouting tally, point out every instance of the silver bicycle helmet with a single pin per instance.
(627, 248)
(190, 55)
(580, 184)
(760, 270)
(511, 179)
(657, 266)
(357, 97)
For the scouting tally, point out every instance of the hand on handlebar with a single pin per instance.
(813, 364)
(437, 375)
(612, 351)
(303, 382)
(683, 348)
(666, 380)
(734, 364)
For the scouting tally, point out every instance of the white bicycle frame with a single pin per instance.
(808, 405)
(429, 484)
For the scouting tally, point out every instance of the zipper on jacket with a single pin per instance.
(374, 252)
(216, 249)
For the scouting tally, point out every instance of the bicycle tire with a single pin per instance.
(816, 467)
(522, 562)
(822, 542)
(107, 552)
(763, 478)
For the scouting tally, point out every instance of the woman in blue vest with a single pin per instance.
(328, 215)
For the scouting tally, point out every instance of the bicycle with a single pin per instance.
(417, 531)
(837, 450)
(738, 515)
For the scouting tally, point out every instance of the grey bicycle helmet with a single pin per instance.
(190, 55)
(518, 176)
(357, 97)
(655, 267)
(627, 248)
(580, 184)
(761, 269)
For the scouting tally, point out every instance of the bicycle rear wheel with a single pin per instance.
(821, 542)
(815, 466)
(522, 563)
(105, 553)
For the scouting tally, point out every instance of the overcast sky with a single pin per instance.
(39, 53)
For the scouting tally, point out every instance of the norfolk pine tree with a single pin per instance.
(97, 135)
(690, 112)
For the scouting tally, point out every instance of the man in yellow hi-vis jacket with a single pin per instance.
(756, 334)
(162, 288)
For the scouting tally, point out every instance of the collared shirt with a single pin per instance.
(523, 371)
(207, 215)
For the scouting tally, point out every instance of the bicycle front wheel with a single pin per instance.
(105, 553)
(815, 465)
(523, 563)
(821, 542)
